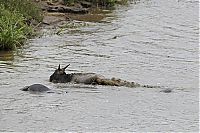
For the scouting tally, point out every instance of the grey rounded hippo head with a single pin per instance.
(59, 76)
(36, 88)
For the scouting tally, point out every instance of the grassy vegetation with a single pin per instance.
(15, 22)
(16, 17)
(27, 8)
(13, 30)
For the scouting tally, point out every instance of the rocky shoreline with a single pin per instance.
(78, 8)
(57, 13)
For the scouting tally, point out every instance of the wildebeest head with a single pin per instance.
(59, 76)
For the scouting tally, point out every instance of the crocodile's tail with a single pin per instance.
(120, 82)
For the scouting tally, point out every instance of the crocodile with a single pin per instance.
(60, 76)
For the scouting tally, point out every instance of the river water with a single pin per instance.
(151, 42)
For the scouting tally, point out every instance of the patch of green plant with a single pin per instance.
(16, 17)
(69, 2)
(13, 29)
(27, 8)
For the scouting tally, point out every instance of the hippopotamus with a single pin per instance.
(60, 76)
(39, 88)
(36, 88)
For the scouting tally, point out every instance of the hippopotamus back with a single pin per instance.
(36, 88)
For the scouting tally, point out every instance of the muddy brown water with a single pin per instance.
(150, 42)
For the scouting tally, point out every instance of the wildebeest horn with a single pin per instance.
(66, 67)
(59, 67)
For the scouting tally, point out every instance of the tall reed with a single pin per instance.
(27, 8)
(15, 22)
(13, 30)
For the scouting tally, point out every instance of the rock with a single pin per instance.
(53, 19)
(66, 9)
(50, 3)
(85, 4)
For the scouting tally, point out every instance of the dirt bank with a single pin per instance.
(58, 13)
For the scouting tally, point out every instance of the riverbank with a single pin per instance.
(59, 13)
(19, 21)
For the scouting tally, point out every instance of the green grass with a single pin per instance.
(15, 22)
(13, 30)
(27, 8)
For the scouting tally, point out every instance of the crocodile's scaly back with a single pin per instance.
(117, 82)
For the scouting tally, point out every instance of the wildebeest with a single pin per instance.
(60, 76)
